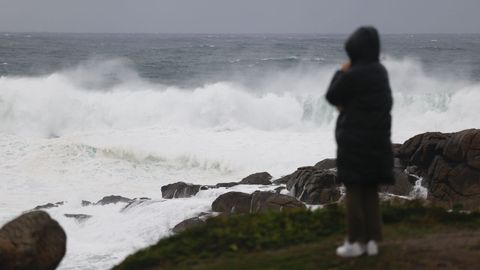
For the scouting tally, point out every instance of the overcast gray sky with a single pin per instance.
(240, 16)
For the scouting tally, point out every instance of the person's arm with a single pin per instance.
(339, 87)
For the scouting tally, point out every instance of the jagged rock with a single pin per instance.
(179, 190)
(454, 185)
(464, 146)
(314, 186)
(232, 202)
(421, 149)
(449, 164)
(48, 205)
(188, 223)
(78, 217)
(226, 185)
(32, 241)
(280, 189)
(262, 178)
(326, 164)
(113, 199)
(239, 202)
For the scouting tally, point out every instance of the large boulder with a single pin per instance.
(180, 190)
(188, 223)
(241, 203)
(262, 178)
(449, 164)
(314, 186)
(32, 241)
(232, 202)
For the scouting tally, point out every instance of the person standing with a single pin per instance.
(361, 92)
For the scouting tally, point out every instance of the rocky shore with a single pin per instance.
(433, 169)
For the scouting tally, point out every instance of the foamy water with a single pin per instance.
(68, 137)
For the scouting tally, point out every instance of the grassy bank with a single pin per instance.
(415, 235)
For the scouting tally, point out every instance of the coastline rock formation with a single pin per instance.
(32, 241)
(449, 164)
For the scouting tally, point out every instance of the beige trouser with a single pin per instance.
(363, 213)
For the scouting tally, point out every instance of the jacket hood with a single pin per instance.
(363, 45)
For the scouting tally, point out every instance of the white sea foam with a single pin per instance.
(100, 129)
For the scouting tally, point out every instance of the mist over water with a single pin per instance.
(192, 108)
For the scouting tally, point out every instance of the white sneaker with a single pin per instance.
(371, 248)
(350, 249)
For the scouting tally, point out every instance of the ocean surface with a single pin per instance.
(84, 116)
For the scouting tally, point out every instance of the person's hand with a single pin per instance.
(346, 66)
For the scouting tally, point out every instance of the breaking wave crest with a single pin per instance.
(109, 94)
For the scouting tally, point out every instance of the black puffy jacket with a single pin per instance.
(364, 153)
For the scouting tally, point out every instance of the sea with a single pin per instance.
(83, 116)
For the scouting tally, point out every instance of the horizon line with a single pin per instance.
(232, 33)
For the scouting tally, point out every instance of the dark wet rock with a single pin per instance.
(188, 223)
(326, 164)
(270, 201)
(282, 180)
(449, 164)
(48, 206)
(453, 185)
(226, 185)
(464, 147)
(262, 178)
(180, 190)
(78, 217)
(239, 202)
(113, 199)
(32, 241)
(421, 149)
(232, 202)
(86, 203)
(314, 186)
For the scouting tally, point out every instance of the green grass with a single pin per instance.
(289, 240)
